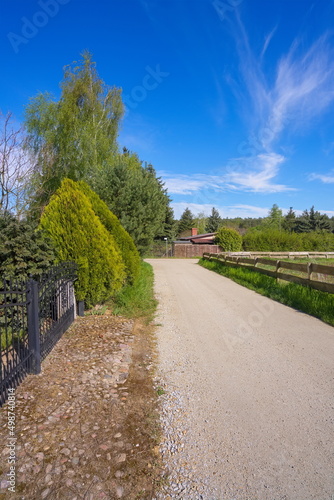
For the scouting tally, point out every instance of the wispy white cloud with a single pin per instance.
(302, 90)
(325, 178)
(267, 41)
(253, 174)
(224, 211)
(190, 184)
(304, 86)
(259, 174)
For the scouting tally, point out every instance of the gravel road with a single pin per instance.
(249, 404)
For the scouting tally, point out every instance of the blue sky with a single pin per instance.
(232, 101)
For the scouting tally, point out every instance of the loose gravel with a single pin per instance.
(247, 412)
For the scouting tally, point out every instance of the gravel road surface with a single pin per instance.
(249, 406)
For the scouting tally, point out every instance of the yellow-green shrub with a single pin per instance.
(229, 239)
(78, 235)
(126, 244)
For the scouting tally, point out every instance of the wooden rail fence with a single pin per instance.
(317, 276)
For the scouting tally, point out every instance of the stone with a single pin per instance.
(121, 458)
(119, 491)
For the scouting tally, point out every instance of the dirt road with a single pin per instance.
(257, 383)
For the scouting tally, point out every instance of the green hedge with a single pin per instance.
(126, 244)
(272, 240)
(229, 239)
(78, 235)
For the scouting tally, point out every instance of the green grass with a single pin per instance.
(138, 299)
(308, 300)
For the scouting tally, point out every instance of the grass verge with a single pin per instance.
(305, 299)
(137, 300)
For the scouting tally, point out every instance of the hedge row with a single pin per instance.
(273, 240)
(82, 230)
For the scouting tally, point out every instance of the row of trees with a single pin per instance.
(76, 137)
(68, 191)
(309, 221)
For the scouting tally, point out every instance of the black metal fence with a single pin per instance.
(33, 316)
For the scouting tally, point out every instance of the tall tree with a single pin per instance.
(136, 196)
(75, 136)
(170, 228)
(289, 221)
(318, 221)
(274, 219)
(200, 222)
(214, 221)
(186, 221)
(312, 221)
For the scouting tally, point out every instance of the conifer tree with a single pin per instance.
(78, 235)
(24, 251)
(124, 241)
(214, 221)
(186, 221)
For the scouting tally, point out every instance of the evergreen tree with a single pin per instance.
(313, 221)
(274, 219)
(303, 223)
(186, 221)
(318, 221)
(170, 226)
(124, 241)
(289, 221)
(136, 196)
(214, 221)
(24, 251)
(78, 235)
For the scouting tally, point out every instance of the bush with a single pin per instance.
(229, 240)
(24, 252)
(273, 240)
(78, 235)
(124, 241)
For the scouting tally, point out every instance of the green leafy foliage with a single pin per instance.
(78, 235)
(24, 251)
(273, 240)
(124, 241)
(200, 222)
(229, 239)
(75, 136)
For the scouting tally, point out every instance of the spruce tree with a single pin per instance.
(289, 221)
(24, 251)
(214, 221)
(186, 221)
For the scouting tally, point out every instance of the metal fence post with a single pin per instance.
(33, 328)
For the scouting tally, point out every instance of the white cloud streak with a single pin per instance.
(325, 178)
(253, 174)
(302, 90)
